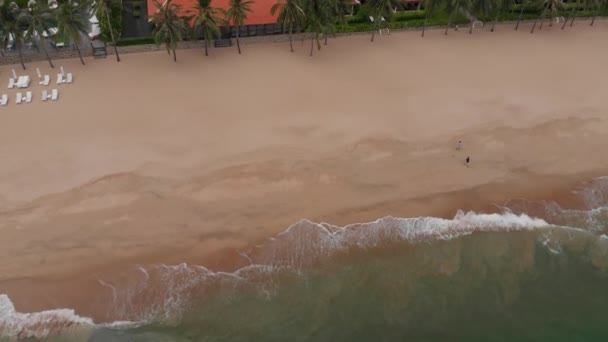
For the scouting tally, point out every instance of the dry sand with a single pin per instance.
(147, 160)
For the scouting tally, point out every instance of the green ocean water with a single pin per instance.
(488, 286)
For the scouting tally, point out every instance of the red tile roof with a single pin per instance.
(260, 9)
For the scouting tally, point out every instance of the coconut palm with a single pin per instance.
(103, 9)
(290, 14)
(601, 7)
(552, 7)
(453, 6)
(12, 27)
(382, 9)
(39, 19)
(523, 5)
(318, 19)
(169, 28)
(336, 15)
(430, 7)
(501, 6)
(208, 19)
(237, 14)
(73, 22)
(481, 8)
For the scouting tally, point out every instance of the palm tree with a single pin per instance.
(290, 14)
(523, 5)
(430, 6)
(169, 27)
(551, 6)
(12, 27)
(601, 7)
(382, 9)
(481, 8)
(103, 8)
(39, 20)
(501, 6)
(237, 14)
(73, 22)
(319, 20)
(337, 10)
(454, 6)
(208, 18)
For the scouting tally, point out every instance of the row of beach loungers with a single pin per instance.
(27, 97)
(23, 81)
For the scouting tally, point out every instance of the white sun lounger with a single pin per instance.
(3, 100)
(69, 78)
(54, 95)
(18, 98)
(59, 78)
(45, 95)
(11, 83)
(28, 97)
(23, 82)
(46, 80)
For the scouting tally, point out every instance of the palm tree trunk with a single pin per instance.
(449, 23)
(206, 42)
(46, 52)
(495, 20)
(541, 15)
(174, 56)
(312, 43)
(318, 39)
(426, 17)
(521, 13)
(325, 43)
(471, 27)
(20, 56)
(573, 17)
(112, 34)
(373, 34)
(238, 45)
(79, 54)
(593, 20)
(290, 43)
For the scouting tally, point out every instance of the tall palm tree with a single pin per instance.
(500, 7)
(430, 7)
(73, 22)
(382, 9)
(524, 4)
(237, 14)
(319, 20)
(601, 7)
(454, 6)
(481, 8)
(103, 9)
(207, 18)
(39, 19)
(552, 7)
(336, 15)
(169, 27)
(12, 27)
(290, 14)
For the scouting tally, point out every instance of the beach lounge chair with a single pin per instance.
(371, 18)
(69, 78)
(28, 97)
(45, 95)
(11, 83)
(18, 98)
(59, 78)
(46, 80)
(3, 100)
(54, 95)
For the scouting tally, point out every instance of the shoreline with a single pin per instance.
(147, 161)
(78, 289)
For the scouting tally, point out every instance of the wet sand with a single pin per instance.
(150, 161)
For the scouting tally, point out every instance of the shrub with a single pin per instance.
(115, 18)
(135, 41)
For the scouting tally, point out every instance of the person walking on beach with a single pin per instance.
(467, 161)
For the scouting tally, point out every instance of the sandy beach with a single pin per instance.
(149, 161)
